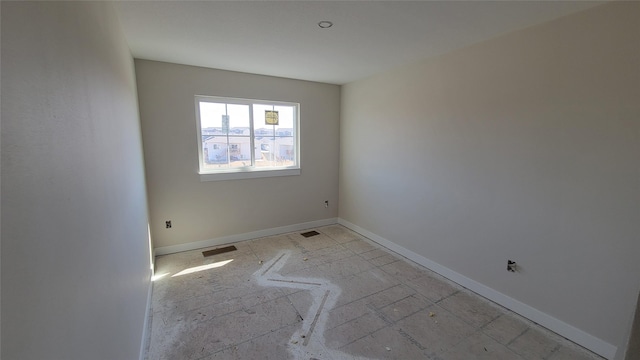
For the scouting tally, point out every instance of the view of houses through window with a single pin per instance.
(236, 133)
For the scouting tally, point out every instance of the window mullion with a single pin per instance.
(252, 137)
(226, 112)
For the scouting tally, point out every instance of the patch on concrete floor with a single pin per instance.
(217, 251)
(310, 233)
(324, 295)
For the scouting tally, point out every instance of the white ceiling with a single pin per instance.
(282, 38)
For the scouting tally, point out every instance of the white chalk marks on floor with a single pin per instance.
(308, 341)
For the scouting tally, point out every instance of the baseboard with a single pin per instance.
(570, 332)
(242, 237)
(146, 330)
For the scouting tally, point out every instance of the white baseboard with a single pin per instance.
(147, 325)
(570, 332)
(242, 237)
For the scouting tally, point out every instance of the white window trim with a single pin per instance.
(247, 172)
(239, 175)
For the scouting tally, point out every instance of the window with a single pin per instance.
(239, 138)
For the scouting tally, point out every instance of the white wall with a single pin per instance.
(201, 211)
(75, 254)
(524, 147)
(0, 195)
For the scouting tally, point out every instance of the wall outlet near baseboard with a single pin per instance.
(167, 224)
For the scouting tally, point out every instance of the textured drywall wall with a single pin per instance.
(75, 253)
(0, 195)
(524, 147)
(206, 210)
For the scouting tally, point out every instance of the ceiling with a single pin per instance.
(282, 38)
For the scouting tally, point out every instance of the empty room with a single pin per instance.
(320, 180)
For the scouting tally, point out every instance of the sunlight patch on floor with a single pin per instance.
(202, 268)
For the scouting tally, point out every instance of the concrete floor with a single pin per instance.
(330, 296)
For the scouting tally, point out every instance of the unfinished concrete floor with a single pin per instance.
(329, 296)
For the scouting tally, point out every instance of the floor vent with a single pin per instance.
(221, 250)
(310, 233)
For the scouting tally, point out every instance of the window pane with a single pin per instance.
(214, 152)
(274, 135)
(225, 135)
(238, 119)
(239, 151)
(216, 118)
(211, 118)
(222, 152)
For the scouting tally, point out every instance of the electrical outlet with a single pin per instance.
(512, 266)
(326, 203)
(168, 224)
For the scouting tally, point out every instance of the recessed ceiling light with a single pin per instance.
(325, 24)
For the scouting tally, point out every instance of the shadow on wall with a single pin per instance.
(633, 349)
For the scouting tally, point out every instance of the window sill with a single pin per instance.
(238, 175)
